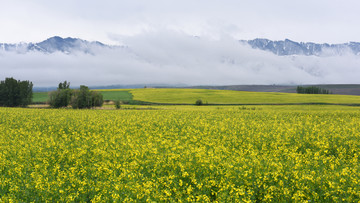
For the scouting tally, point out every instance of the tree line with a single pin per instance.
(14, 93)
(311, 90)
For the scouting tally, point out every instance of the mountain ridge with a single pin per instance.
(289, 47)
(281, 48)
(55, 44)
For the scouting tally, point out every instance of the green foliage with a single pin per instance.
(15, 92)
(97, 99)
(117, 104)
(122, 95)
(199, 102)
(311, 90)
(61, 97)
(84, 98)
(81, 98)
(64, 85)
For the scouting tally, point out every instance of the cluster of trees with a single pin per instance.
(78, 99)
(312, 90)
(61, 97)
(15, 93)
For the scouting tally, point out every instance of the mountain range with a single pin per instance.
(54, 44)
(282, 48)
(288, 47)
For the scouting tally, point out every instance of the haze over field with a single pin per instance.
(184, 42)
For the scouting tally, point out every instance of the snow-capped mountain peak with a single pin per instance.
(288, 47)
(54, 44)
(282, 48)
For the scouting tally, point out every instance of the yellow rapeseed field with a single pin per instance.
(224, 154)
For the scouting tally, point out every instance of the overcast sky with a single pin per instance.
(162, 49)
(331, 21)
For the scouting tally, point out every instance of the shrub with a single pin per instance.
(84, 98)
(61, 97)
(117, 104)
(81, 98)
(199, 102)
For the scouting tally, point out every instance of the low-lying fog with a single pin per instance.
(176, 58)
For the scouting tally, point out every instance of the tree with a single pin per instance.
(64, 85)
(61, 97)
(84, 98)
(15, 92)
(25, 93)
(97, 99)
(81, 98)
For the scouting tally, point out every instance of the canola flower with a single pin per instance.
(191, 154)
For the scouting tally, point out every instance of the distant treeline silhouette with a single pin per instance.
(312, 90)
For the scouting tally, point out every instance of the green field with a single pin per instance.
(40, 97)
(116, 95)
(189, 96)
(107, 95)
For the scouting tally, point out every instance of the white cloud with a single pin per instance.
(331, 21)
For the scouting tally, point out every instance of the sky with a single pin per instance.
(191, 42)
(330, 21)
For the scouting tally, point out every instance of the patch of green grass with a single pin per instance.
(116, 95)
(40, 97)
(189, 96)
